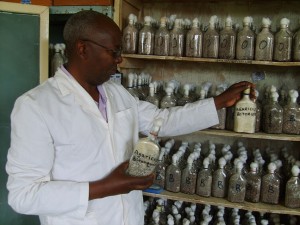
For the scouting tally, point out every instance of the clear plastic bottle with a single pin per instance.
(194, 40)
(211, 39)
(146, 38)
(220, 181)
(283, 42)
(177, 39)
(188, 177)
(245, 114)
(237, 185)
(245, 41)
(270, 186)
(204, 180)
(173, 176)
(130, 87)
(130, 36)
(146, 152)
(152, 97)
(296, 46)
(168, 100)
(273, 116)
(253, 184)
(186, 98)
(264, 42)
(160, 169)
(292, 191)
(162, 39)
(227, 41)
(291, 115)
(57, 59)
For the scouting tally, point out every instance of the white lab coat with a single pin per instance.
(60, 142)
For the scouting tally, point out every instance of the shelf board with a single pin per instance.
(259, 207)
(200, 60)
(260, 135)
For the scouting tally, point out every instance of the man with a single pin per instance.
(71, 136)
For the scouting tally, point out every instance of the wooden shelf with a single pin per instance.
(259, 207)
(200, 60)
(265, 136)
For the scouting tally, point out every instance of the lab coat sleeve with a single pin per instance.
(29, 164)
(179, 120)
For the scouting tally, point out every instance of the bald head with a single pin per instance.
(86, 24)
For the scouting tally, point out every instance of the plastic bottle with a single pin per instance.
(162, 39)
(270, 186)
(173, 176)
(188, 177)
(194, 40)
(273, 116)
(177, 39)
(264, 42)
(253, 184)
(211, 39)
(160, 169)
(204, 180)
(283, 42)
(292, 192)
(227, 41)
(186, 98)
(146, 38)
(245, 114)
(220, 180)
(291, 115)
(296, 46)
(237, 185)
(130, 36)
(146, 152)
(152, 97)
(245, 41)
(168, 100)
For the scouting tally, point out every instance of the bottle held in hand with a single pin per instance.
(146, 152)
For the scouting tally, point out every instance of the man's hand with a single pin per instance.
(118, 182)
(234, 93)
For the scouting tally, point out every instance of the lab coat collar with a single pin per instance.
(68, 85)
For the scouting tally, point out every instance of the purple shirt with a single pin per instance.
(102, 97)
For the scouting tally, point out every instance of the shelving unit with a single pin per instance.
(198, 70)
(261, 207)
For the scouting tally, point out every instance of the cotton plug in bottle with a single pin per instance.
(146, 152)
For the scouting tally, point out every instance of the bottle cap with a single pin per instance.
(284, 22)
(295, 171)
(228, 22)
(222, 162)
(266, 22)
(246, 91)
(271, 167)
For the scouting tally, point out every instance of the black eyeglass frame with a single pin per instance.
(115, 52)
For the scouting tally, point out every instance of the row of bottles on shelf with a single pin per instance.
(176, 37)
(159, 211)
(228, 174)
(276, 112)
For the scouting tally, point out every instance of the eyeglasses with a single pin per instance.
(115, 53)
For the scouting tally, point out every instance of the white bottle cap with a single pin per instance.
(247, 20)
(228, 22)
(275, 96)
(284, 22)
(147, 20)
(271, 167)
(254, 166)
(206, 162)
(295, 171)
(266, 22)
(222, 162)
(195, 22)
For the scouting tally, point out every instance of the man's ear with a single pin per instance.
(81, 49)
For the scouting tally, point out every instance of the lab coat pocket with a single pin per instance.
(125, 129)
